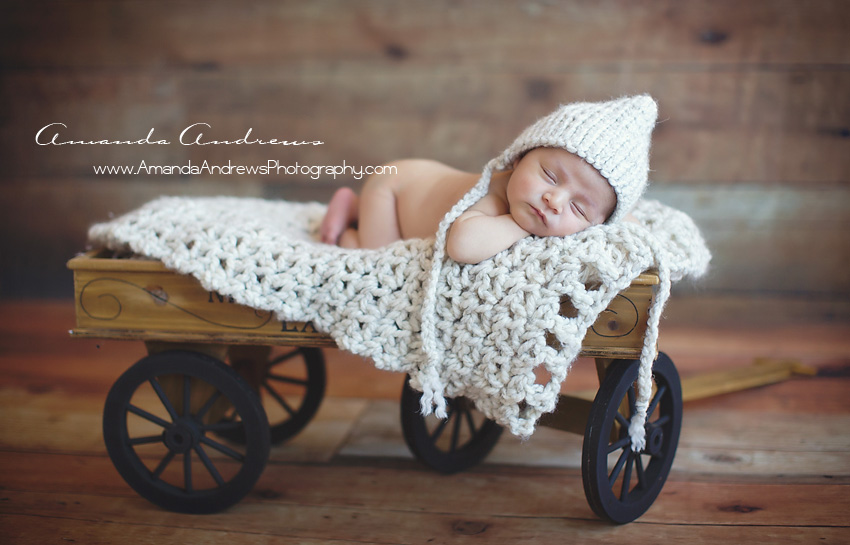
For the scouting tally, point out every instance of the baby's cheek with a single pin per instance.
(572, 227)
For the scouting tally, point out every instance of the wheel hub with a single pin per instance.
(654, 439)
(181, 437)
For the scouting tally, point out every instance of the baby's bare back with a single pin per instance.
(425, 191)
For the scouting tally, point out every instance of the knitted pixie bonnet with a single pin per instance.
(612, 136)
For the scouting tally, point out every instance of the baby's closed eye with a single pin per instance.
(579, 210)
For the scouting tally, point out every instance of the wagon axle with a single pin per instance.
(654, 440)
(183, 436)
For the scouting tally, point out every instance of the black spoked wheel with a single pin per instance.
(460, 441)
(619, 483)
(292, 386)
(167, 451)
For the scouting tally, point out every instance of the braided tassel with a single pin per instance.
(637, 429)
(432, 385)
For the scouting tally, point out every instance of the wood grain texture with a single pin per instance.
(382, 31)
(140, 299)
(761, 466)
(728, 126)
(754, 105)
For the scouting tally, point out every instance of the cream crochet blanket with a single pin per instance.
(487, 324)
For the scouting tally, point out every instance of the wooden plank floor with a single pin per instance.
(768, 465)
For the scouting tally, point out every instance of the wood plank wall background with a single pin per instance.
(754, 101)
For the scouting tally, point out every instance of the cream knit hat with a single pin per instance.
(612, 136)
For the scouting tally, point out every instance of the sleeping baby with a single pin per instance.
(584, 164)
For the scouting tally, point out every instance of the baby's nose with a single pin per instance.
(553, 201)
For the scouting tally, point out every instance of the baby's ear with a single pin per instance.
(518, 158)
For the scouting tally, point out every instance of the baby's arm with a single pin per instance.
(481, 232)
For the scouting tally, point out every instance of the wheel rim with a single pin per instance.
(167, 451)
(620, 484)
(448, 445)
(291, 387)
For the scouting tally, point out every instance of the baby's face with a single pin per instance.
(553, 192)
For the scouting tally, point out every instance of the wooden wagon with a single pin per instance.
(189, 427)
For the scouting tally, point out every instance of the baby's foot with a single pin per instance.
(341, 214)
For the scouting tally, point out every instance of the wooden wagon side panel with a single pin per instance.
(141, 299)
(619, 330)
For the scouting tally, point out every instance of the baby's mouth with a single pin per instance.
(540, 214)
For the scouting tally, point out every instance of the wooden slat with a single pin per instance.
(753, 309)
(399, 517)
(762, 373)
(364, 525)
(349, 485)
(758, 32)
(37, 530)
(717, 444)
(726, 126)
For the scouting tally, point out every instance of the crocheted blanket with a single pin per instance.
(489, 322)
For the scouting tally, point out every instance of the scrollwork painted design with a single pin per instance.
(159, 297)
(631, 306)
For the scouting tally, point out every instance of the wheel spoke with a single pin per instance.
(289, 380)
(438, 431)
(470, 421)
(209, 465)
(148, 416)
(627, 476)
(146, 440)
(662, 421)
(641, 477)
(658, 395)
(456, 431)
(632, 400)
(282, 402)
(163, 464)
(207, 406)
(618, 467)
(619, 444)
(621, 420)
(187, 471)
(284, 358)
(224, 449)
(163, 398)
